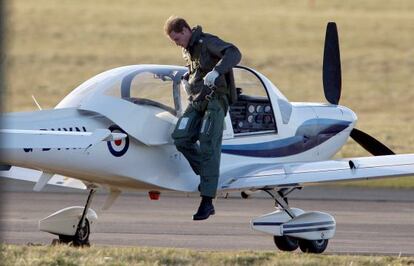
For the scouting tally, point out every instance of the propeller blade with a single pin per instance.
(370, 144)
(331, 65)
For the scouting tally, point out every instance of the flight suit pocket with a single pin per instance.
(206, 124)
(186, 126)
(212, 124)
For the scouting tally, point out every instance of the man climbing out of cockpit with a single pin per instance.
(209, 60)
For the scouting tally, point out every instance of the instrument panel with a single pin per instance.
(252, 115)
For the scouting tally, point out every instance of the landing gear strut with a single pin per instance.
(81, 236)
(280, 198)
(290, 225)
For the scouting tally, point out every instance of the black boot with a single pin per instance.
(205, 210)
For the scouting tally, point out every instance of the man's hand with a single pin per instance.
(210, 78)
(186, 86)
(186, 76)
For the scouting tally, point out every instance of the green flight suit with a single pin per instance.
(203, 119)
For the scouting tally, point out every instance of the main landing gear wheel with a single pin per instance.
(80, 239)
(286, 243)
(63, 239)
(313, 246)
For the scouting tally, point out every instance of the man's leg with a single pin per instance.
(185, 137)
(211, 134)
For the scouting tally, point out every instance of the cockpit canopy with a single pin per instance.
(159, 86)
(141, 84)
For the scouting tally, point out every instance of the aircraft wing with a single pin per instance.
(23, 138)
(41, 178)
(306, 173)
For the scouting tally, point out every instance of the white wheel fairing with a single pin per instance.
(118, 147)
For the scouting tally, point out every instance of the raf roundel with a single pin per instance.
(118, 147)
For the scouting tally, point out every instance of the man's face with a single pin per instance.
(181, 38)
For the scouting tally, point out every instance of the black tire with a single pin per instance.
(313, 246)
(64, 239)
(81, 237)
(244, 195)
(286, 243)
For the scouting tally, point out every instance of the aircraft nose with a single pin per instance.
(349, 115)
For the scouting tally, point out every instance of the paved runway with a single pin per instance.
(368, 221)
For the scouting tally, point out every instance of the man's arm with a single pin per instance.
(229, 54)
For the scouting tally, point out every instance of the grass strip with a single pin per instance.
(64, 255)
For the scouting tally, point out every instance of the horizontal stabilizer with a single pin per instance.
(18, 138)
(30, 175)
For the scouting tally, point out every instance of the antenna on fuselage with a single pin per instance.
(35, 101)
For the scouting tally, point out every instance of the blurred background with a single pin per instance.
(53, 46)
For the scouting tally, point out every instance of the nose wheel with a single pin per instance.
(290, 243)
(313, 246)
(286, 243)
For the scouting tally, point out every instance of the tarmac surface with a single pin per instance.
(369, 221)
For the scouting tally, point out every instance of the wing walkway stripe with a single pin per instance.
(309, 230)
(266, 223)
(293, 225)
(308, 224)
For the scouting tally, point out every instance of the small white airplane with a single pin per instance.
(113, 132)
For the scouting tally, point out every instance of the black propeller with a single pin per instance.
(370, 144)
(332, 87)
(332, 65)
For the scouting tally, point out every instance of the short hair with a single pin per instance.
(175, 24)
